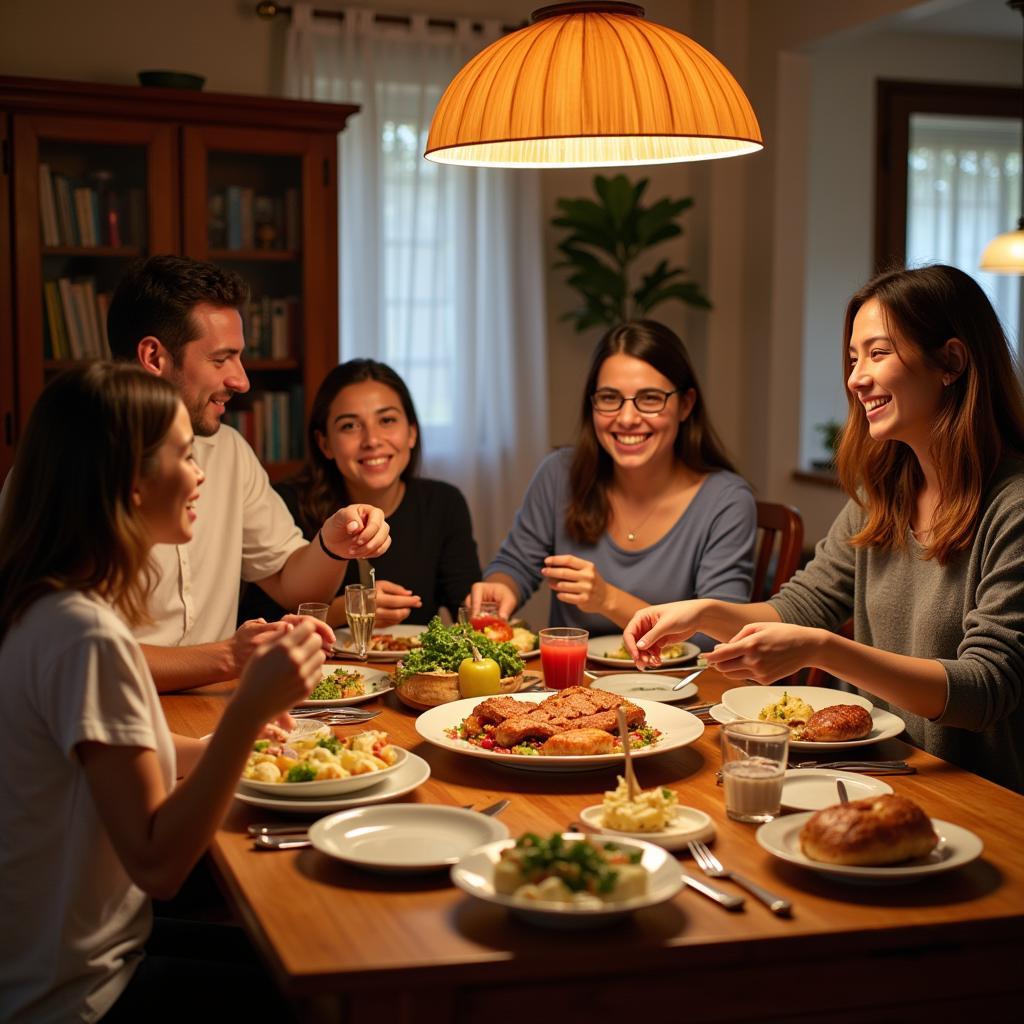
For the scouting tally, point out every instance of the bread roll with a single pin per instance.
(880, 830)
(836, 724)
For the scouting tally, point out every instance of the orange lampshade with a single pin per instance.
(591, 85)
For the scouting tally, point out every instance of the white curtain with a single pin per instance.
(441, 267)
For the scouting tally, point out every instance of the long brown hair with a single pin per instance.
(981, 417)
(320, 485)
(68, 521)
(696, 446)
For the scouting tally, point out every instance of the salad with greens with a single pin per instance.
(443, 648)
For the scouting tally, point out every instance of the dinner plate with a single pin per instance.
(375, 682)
(474, 874)
(679, 728)
(957, 846)
(405, 838)
(599, 649)
(884, 726)
(411, 773)
(687, 825)
(747, 701)
(323, 787)
(344, 641)
(811, 789)
(645, 685)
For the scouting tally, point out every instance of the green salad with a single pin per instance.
(443, 648)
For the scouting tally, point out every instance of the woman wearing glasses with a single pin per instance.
(645, 503)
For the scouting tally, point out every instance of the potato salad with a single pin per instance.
(320, 757)
(651, 811)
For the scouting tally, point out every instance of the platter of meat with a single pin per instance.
(387, 644)
(571, 730)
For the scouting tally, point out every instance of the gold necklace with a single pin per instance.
(631, 535)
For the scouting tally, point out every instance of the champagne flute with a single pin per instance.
(361, 610)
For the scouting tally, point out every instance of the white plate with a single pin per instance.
(474, 874)
(598, 648)
(412, 773)
(375, 682)
(687, 825)
(957, 846)
(811, 789)
(747, 701)
(405, 838)
(884, 726)
(679, 728)
(325, 787)
(645, 685)
(344, 641)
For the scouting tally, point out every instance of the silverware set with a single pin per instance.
(335, 716)
(712, 867)
(865, 767)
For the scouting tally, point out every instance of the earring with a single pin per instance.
(947, 380)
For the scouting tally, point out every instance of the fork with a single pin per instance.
(712, 867)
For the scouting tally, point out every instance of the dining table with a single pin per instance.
(355, 946)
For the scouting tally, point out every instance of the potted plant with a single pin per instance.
(831, 432)
(606, 239)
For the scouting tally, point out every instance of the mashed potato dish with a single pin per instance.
(651, 811)
(319, 758)
(791, 711)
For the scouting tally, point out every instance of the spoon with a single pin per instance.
(844, 797)
(631, 784)
(688, 678)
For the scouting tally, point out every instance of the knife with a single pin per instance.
(727, 899)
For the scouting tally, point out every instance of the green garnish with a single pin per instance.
(260, 745)
(331, 743)
(443, 648)
(301, 772)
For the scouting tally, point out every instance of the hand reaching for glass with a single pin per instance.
(500, 593)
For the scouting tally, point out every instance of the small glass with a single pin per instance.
(361, 610)
(314, 610)
(563, 653)
(753, 767)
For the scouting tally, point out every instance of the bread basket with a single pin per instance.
(425, 690)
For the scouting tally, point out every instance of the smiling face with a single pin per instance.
(368, 437)
(899, 392)
(211, 367)
(633, 439)
(166, 496)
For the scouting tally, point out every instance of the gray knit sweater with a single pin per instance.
(968, 614)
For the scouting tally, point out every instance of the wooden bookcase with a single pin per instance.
(95, 176)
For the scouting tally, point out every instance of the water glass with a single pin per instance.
(361, 610)
(314, 610)
(563, 653)
(753, 767)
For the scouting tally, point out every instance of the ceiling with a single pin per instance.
(992, 18)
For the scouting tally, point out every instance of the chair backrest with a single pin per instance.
(780, 523)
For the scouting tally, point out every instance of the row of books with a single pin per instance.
(273, 425)
(238, 218)
(272, 327)
(90, 214)
(76, 319)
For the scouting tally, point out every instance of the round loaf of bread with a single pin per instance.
(836, 724)
(880, 830)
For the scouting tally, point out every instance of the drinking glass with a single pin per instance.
(315, 610)
(361, 609)
(563, 652)
(753, 768)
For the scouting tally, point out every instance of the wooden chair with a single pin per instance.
(780, 523)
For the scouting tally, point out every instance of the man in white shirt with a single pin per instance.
(180, 320)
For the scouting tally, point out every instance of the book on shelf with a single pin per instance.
(87, 215)
(76, 319)
(273, 424)
(48, 207)
(272, 327)
(239, 218)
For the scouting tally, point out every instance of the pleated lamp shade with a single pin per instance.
(591, 85)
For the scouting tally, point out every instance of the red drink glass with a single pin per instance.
(563, 653)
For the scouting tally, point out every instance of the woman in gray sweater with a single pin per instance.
(928, 555)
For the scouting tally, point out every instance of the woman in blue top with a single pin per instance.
(645, 503)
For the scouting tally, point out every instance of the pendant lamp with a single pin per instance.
(1005, 253)
(591, 85)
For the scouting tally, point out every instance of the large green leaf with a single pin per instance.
(688, 292)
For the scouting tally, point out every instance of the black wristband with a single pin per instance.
(326, 550)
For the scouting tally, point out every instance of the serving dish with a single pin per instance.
(747, 701)
(323, 787)
(425, 690)
(884, 726)
(687, 825)
(598, 648)
(957, 846)
(678, 728)
(344, 642)
(474, 874)
(411, 773)
(375, 681)
(404, 838)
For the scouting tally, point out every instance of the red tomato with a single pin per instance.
(496, 630)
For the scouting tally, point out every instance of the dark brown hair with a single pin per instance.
(157, 296)
(68, 521)
(980, 419)
(321, 487)
(696, 444)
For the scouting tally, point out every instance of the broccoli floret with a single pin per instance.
(301, 772)
(260, 745)
(331, 743)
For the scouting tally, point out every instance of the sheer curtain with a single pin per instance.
(441, 267)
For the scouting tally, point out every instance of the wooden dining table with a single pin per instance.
(352, 946)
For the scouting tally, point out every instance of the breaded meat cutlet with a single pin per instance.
(495, 710)
(578, 742)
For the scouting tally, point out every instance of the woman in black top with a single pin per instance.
(364, 445)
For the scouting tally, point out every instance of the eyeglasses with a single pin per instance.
(650, 400)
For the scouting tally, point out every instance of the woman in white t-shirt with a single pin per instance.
(91, 822)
